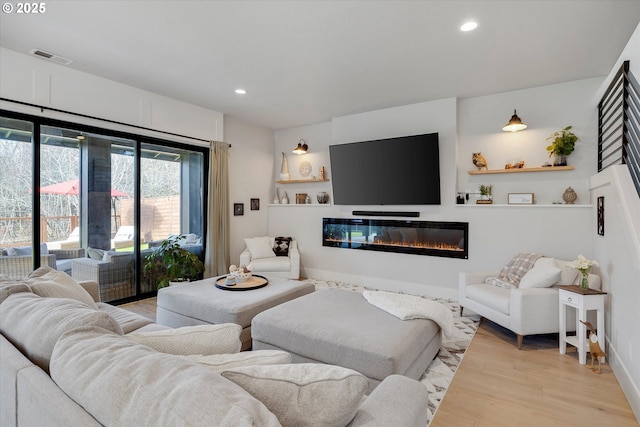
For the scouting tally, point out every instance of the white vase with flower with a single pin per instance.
(583, 265)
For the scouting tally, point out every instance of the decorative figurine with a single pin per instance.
(569, 196)
(479, 161)
(594, 348)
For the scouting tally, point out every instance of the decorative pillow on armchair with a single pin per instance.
(260, 247)
(514, 271)
(281, 246)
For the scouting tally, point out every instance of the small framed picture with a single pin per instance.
(601, 215)
(255, 204)
(520, 198)
(238, 209)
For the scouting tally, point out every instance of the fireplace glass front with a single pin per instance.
(433, 238)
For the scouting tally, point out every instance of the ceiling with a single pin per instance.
(304, 62)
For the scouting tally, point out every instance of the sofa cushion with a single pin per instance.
(201, 339)
(128, 320)
(47, 282)
(10, 286)
(544, 274)
(223, 362)
(490, 296)
(260, 247)
(122, 383)
(304, 394)
(33, 324)
(281, 246)
(95, 253)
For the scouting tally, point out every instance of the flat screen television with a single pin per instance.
(394, 171)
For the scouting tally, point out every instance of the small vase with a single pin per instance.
(560, 160)
(585, 279)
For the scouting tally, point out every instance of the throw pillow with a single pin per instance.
(12, 287)
(223, 362)
(47, 282)
(22, 250)
(122, 383)
(260, 247)
(544, 274)
(94, 253)
(202, 339)
(281, 246)
(517, 268)
(34, 324)
(304, 394)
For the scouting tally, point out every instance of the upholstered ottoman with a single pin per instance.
(340, 327)
(201, 303)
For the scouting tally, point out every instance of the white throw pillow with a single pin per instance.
(260, 247)
(187, 340)
(304, 394)
(223, 362)
(545, 273)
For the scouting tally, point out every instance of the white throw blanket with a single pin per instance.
(406, 307)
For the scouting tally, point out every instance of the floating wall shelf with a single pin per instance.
(520, 170)
(301, 181)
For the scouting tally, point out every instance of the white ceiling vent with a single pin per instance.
(51, 57)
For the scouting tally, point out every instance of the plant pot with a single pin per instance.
(559, 160)
(176, 282)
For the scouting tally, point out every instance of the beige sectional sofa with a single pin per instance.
(69, 361)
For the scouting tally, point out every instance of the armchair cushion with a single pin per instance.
(222, 362)
(260, 247)
(304, 394)
(281, 246)
(544, 274)
(515, 269)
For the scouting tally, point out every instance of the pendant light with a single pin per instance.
(515, 124)
(301, 148)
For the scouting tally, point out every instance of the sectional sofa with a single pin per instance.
(68, 360)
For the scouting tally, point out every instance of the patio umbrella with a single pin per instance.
(72, 188)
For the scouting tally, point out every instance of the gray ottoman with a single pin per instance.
(341, 328)
(201, 303)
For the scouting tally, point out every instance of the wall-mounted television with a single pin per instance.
(393, 171)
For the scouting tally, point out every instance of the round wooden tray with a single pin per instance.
(253, 282)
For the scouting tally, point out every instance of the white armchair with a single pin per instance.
(524, 311)
(262, 258)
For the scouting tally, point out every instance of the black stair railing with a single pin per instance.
(619, 124)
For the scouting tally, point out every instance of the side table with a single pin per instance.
(582, 300)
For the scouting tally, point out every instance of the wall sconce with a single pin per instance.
(515, 124)
(301, 148)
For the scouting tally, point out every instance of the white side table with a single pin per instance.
(582, 300)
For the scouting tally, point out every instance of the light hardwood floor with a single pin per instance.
(499, 385)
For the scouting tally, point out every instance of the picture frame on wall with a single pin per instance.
(520, 199)
(255, 204)
(600, 209)
(238, 209)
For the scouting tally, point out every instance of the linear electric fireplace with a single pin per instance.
(433, 238)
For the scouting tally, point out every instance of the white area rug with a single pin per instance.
(440, 372)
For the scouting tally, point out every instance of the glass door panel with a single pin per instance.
(16, 183)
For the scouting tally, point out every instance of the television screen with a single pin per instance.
(394, 171)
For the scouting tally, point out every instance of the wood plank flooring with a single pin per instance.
(499, 385)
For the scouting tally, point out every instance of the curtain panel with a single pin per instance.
(218, 252)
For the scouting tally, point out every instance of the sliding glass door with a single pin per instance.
(106, 200)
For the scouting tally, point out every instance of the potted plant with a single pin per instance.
(562, 144)
(486, 192)
(170, 262)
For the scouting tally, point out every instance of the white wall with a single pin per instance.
(618, 252)
(36, 81)
(250, 164)
(496, 233)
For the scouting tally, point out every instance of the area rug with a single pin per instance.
(440, 372)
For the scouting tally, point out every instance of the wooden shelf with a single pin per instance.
(301, 181)
(540, 169)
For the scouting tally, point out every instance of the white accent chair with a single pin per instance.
(260, 256)
(528, 311)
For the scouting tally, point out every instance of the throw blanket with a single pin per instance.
(406, 307)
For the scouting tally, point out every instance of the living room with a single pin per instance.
(465, 125)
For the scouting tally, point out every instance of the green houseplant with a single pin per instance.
(170, 262)
(562, 144)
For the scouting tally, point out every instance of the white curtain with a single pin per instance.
(218, 252)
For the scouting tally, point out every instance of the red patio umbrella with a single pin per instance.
(72, 188)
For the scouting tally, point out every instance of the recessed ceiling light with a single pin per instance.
(469, 26)
(241, 91)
